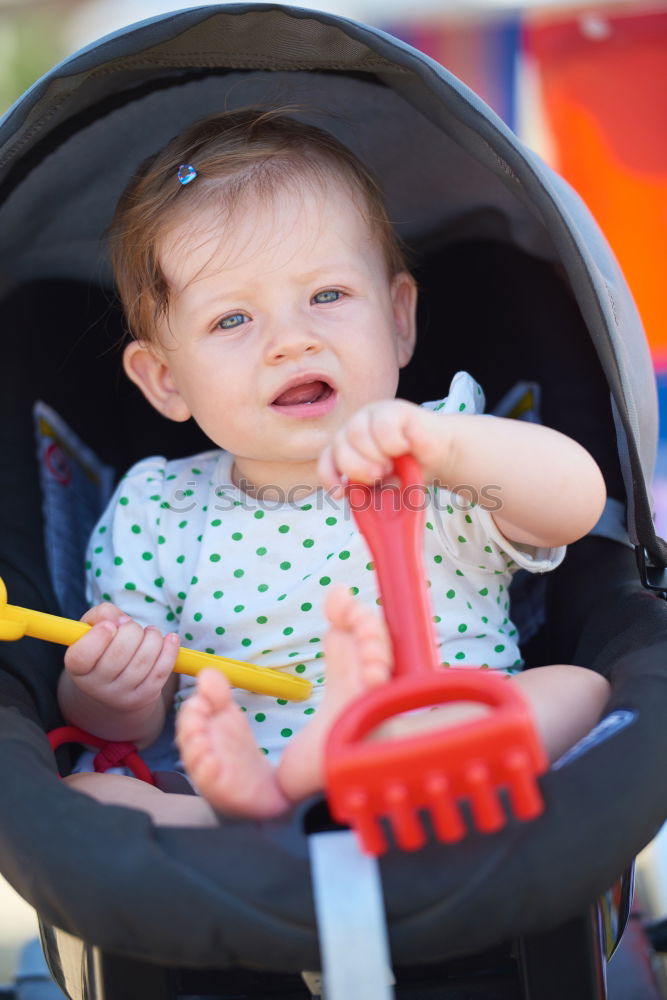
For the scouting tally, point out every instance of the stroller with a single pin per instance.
(507, 257)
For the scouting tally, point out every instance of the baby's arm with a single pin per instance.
(118, 681)
(549, 488)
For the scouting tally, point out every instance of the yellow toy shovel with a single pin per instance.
(17, 622)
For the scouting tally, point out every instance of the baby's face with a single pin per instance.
(283, 321)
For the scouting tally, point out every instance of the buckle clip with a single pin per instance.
(653, 578)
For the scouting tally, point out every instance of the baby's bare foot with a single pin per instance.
(221, 755)
(358, 658)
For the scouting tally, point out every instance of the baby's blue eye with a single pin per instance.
(230, 322)
(330, 295)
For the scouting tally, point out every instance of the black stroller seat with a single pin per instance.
(505, 255)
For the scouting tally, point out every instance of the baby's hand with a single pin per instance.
(363, 449)
(119, 663)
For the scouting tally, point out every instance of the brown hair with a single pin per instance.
(233, 152)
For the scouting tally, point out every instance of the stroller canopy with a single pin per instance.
(458, 185)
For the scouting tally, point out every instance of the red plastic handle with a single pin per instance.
(391, 520)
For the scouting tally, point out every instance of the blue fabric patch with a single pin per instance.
(605, 729)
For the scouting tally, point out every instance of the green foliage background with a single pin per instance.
(31, 42)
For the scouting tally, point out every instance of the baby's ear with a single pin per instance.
(404, 301)
(145, 365)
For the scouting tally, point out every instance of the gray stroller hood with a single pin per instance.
(454, 176)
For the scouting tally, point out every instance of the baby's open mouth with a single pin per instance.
(304, 394)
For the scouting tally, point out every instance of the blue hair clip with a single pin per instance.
(186, 173)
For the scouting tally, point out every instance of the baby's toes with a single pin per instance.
(375, 660)
(205, 769)
(214, 687)
(338, 606)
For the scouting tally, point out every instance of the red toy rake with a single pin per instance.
(432, 771)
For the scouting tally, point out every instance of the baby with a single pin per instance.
(268, 298)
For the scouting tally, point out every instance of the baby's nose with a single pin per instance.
(293, 341)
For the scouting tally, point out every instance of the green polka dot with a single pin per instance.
(307, 506)
(238, 573)
(264, 751)
(499, 648)
(437, 559)
(147, 556)
(99, 549)
(238, 608)
(170, 616)
(218, 594)
(220, 630)
(308, 711)
(460, 573)
(281, 701)
(487, 548)
(123, 501)
(354, 591)
(286, 565)
(344, 555)
(161, 539)
(261, 551)
(288, 630)
(286, 733)
(88, 564)
(463, 628)
(308, 543)
(282, 597)
(459, 656)
(450, 594)
(246, 642)
(283, 529)
(331, 520)
(462, 406)
(437, 619)
(263, 587)
(216, 523)
(237, 536)
(259, 514)
(468, 518)
(189, 636)
(325, 581)
(262, 620)
(103, 529)
(215, 557)
(130, 586)
(118, 561)
(159, 582)
(260, 717)
(136, 530)
(306, 606)
(429, 526)
(370, 565)
(180, 559)
(461, 538)
(183, 524)
(197, 616)
(209, 649)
